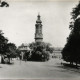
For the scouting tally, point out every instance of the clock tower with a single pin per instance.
(38, 30)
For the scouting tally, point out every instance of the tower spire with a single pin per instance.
(39, 16)
(38, 19)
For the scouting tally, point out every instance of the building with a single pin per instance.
(57, 52)
(38, 30)
(24, 48)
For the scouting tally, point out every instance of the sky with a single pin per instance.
(18, 20)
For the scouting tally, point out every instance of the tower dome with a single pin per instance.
(38, 19)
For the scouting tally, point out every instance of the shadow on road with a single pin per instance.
(68, 67)
(71, 66)
(64, 67)
(8, 63)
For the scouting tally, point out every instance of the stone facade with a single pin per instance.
(24, 48)
(38, 30)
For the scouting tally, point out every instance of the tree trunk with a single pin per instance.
(71, 63)
(76, 64)
(2, 59)
(9, 60)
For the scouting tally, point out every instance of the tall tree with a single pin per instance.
(3, 44)
(71, 51)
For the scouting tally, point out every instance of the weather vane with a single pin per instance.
(4, 4)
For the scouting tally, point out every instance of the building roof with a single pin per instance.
(24, 47)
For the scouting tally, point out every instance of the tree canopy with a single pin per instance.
(71, 51)
(41, 50)
(8, 49)
(4, 4)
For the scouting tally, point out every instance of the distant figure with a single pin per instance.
(4, 4)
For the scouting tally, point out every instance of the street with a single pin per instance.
(37, 70)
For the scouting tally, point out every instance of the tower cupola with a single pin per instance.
(38, 19)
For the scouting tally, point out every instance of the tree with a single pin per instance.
(3, 44)
(6, 49)
(3, 40)
(4, 4)
(71, 51)
(40, 51)
(11, 51)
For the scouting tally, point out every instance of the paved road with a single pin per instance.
(40, 70)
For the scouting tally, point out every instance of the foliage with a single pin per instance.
(18, 52)
(4, 4)
(3, 43)
(40, 51)
(6, 49)
(11, 50)
(41, 45)
(75, 15)
(71, 51)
